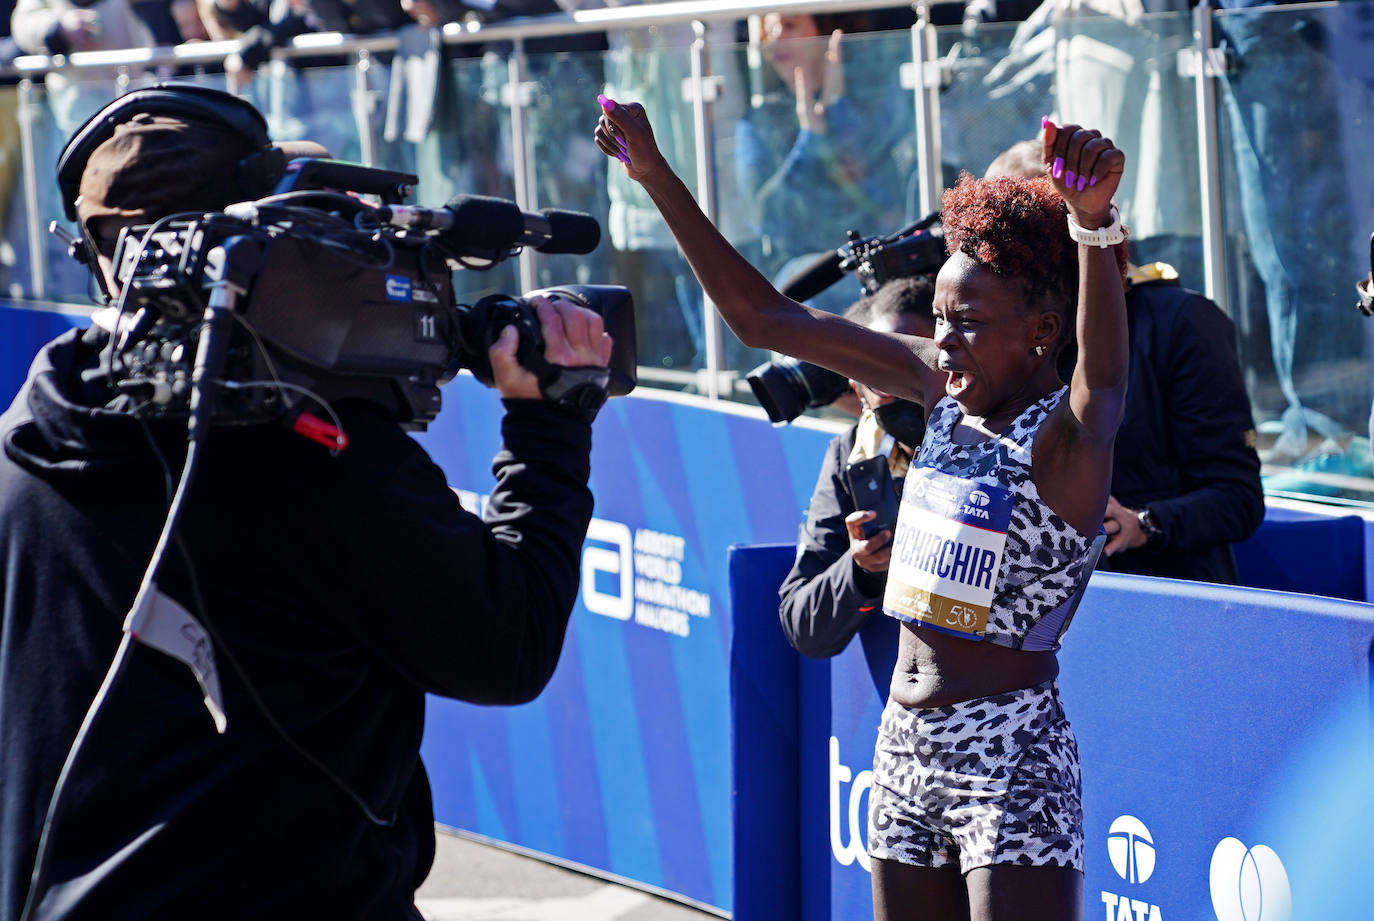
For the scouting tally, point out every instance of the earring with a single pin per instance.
(1040, 350)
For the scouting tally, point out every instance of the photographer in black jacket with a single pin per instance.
(318, 596)
(839, 575)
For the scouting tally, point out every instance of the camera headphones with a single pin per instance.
(256, 174)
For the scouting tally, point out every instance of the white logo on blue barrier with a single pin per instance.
(613, 596)
(1131, 849)
(397, 288)
(639, 576)
(847, 853)
(1249, 883)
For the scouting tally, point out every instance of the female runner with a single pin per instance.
(975, 810)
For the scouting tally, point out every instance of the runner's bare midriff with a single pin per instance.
(935, 669)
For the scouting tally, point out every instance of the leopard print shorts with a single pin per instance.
(988, 781)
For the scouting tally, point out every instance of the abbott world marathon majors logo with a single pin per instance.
(1249, 883)
(1131, 849)
(638, 575)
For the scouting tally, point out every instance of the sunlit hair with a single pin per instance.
(1017, 227)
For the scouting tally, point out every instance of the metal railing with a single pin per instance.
(927, 76)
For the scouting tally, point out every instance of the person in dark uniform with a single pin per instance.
(317, 595)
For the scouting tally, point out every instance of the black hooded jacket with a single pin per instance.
(342, 589)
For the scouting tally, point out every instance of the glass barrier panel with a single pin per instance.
(15, 272)
(59, 106)
(567, 171)
(649, 66)
(1122, 79)
(1298, 185)
(457, 144)
(790, 192)
(1297, 192)
(310, 100)
(998, 81)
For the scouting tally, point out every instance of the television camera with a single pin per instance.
(786, 387)
(313, 291)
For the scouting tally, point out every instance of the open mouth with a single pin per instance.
(958, 382)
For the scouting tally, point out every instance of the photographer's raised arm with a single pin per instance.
(757, 312)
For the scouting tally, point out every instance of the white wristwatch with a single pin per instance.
(1110, 235)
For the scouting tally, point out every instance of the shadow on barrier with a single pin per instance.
(1210, 721)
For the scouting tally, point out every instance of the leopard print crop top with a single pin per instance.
(963, 498)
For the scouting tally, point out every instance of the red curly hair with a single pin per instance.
(1017, 227)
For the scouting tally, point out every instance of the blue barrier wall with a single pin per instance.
(22, 331)
(1225, 737)
(623, 764)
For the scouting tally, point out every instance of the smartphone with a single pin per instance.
(870, 483)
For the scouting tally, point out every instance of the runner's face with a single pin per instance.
(986, 336)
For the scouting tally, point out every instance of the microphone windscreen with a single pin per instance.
(485, 222)
(570, 232)
(815, 277)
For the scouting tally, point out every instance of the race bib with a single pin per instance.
(947, 551)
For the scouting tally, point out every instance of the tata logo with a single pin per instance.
(848, 812)
(1132, 853)
(397, 288)
(1131, 849)
(1249, 883)
(979, 498)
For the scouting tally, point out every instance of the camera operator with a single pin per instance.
(839, 575)
(337, 588)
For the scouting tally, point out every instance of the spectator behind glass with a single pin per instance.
(828, 145)
(1185, 475)
(839, 576)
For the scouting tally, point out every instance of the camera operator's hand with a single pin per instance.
(872, 554)
(573, 337)
(623, 131)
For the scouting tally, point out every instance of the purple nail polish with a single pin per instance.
(1070, 178)
(1082, 183)
(1092, 182)
(1044, 122)
(1057, 169)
